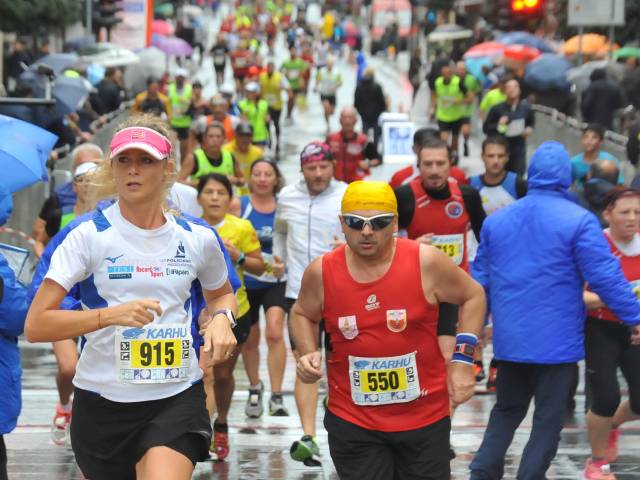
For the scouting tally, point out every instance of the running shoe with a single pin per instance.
(254, 407)
(60, 426)
(491, 381)
(306, 450)
(276, 406)
(600, 470)
(478, 371)
(220, 442)
(612, 445)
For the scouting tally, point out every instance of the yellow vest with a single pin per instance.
(270, 88)
(179, 105)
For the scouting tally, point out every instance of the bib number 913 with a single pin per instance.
(155, 353)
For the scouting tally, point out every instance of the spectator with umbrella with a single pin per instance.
(14, 65)
(151, 100)
(601, 99)
(110, 91)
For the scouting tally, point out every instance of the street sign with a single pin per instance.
(582, 13)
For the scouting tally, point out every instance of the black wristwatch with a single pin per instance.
(227, 313)
(465, 349)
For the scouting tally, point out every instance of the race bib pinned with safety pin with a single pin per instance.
(153, 354)
(385, 380)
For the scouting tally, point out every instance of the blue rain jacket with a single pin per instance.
(533, 261)
(13, 310)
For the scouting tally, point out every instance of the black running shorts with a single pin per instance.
(361, 454)
(271, 296)
(109, 438)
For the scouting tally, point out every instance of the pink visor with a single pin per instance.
(142, 138)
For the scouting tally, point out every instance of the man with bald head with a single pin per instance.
(602, 177)
(353, 151)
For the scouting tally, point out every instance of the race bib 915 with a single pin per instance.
(153, 354)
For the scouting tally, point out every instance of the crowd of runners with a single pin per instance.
(170, 254)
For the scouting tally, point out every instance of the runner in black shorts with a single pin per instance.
(214, 195)
(610, 344)
(328, 98)
(131, 421)
(453, 127)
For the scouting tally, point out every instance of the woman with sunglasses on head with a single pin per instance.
(139, 405)
(265, 291)
(378, 297)
(215, 193)
(610, 344)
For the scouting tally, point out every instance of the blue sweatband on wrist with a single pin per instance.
(468, 338)
(461, 358)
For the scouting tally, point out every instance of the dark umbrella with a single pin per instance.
(79, 43)
(525, 38)
(548, 72)
(58, 62)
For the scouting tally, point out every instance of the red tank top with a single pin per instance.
(447, 219)
(631, 270)
(384, 368)
(348, 155)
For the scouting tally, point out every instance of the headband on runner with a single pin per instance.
(315, 152)
(143, 138)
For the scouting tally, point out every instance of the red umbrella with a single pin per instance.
(521, 53)
(162, 27)
(486, 49)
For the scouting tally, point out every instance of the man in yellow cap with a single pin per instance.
(389, 387)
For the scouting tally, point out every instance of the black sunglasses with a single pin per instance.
(377, 222)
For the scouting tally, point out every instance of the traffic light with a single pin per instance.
(526, 6)
(104, 16)
(509, 15)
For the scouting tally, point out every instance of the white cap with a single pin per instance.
(84, 168)
(252, 87)
(182, 72)
(227, 89)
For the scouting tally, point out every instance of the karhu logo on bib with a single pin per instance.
(348, 326)
(372, 303)
(396, 320)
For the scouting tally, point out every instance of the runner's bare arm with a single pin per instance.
(187, 167)
(306, 313)
(443, 281)
(218, 336)
(47, 323)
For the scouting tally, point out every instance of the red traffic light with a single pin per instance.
(524, 5)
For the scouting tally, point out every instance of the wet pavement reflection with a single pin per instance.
(260, 448)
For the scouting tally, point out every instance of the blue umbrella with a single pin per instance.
(24, 149)
(525, 38)
(548, 72)
(79, 43)
(59, 62)
(69, 92)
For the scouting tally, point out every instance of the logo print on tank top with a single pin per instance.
(348, 326)
(372, 303)
(396, 320)
(454, 209)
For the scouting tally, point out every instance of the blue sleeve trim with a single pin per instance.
(100, 221)
(183, 223)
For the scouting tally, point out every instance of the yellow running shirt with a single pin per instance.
(241, 234)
